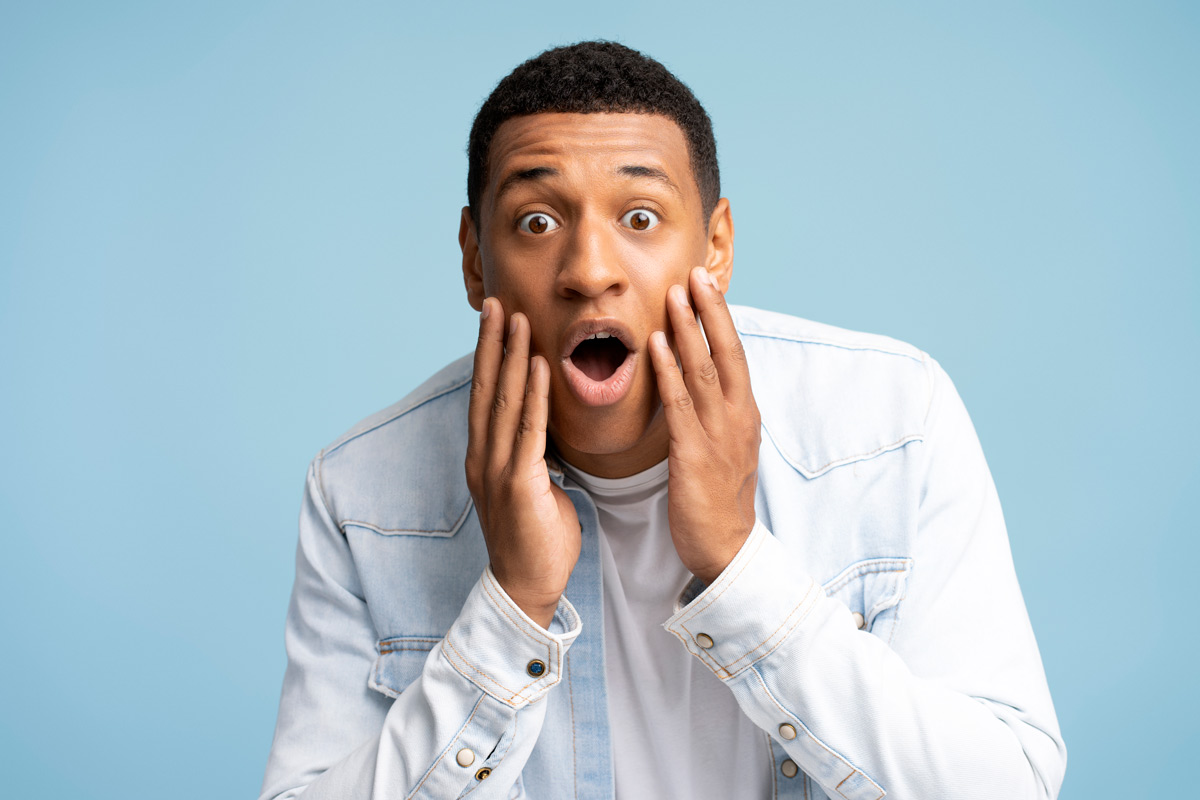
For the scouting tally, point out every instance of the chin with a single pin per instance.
(602, 432)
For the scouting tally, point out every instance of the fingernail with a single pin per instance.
(678, 294)
(512, 326)
(658, 339)
(487, 309)
(712, 280)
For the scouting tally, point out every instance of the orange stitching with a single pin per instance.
(795, 608)
(429, 772)
(803, 727)
(779, 644)
(866, 568)
(732, 579)
(481, 673)
(501, 607)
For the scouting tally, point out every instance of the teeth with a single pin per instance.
(601, 335)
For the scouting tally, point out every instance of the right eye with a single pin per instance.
(537, 222)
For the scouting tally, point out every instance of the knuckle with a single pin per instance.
(501, 403)
(708, 373)
(736, 351)
(682, 401)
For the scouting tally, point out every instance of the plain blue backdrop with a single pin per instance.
(227, 232)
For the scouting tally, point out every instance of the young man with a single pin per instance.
(759, 558)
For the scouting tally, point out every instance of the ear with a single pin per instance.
(472, 261)
(720, 244)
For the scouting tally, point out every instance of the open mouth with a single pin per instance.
(599, 356)
(598, 363)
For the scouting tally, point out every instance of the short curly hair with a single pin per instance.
(591, 78)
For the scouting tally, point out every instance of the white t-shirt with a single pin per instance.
(676, 729)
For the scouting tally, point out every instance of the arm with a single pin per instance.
(336, 738)
(957, 706)
(474, 705)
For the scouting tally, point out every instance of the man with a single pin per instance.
(759, 558)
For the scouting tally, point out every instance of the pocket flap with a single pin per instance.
(400, 662)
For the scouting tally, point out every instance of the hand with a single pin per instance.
(714, 430)
(529, 523)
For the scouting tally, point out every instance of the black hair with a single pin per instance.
(590, 78)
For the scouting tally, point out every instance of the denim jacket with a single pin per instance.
(871, 626)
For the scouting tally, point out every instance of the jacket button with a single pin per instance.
(465, 757)
(787, 731)
(859, 622)
(536, 668)
(789, 768)
(704, 640)
(483, 773)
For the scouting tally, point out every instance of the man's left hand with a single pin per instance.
(714, 429)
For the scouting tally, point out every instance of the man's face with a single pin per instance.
(586, 221)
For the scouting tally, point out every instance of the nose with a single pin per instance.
(591, 264)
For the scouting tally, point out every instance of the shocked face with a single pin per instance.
(585, 223)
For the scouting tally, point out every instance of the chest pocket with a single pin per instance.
(400, 662)
(873, 588)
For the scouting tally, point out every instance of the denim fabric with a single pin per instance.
(872, 625)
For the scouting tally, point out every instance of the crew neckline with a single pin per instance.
(594, 484)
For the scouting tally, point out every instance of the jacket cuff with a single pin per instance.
(497, 647)
(750, 609)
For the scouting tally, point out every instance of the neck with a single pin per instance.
(652, 448)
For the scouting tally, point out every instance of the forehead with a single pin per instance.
(580, 143)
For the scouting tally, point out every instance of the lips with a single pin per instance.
(598, 360)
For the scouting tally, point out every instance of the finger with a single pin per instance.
(699, 371)
(531, 434)
(677, 403)
(510, 392)
(489, 353)
(723, 341)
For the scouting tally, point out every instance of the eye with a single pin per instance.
(640, 219)
(537, 222)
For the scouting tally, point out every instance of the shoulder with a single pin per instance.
(830, 396)
(401, 470)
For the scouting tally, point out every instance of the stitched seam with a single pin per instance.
(407, 409)
(812, 736)
(503, 689)
(501, 606)
(872, 566)
(730, 666)
(555, 655)
(732, 579)
(782, 639)
(449, 531)
(828, 343)
(442, 755)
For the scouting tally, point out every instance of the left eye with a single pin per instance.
(640, 219)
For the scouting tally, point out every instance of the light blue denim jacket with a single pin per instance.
(872, 625)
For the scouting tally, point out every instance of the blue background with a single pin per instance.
(227, 232)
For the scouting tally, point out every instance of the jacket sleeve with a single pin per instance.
(955, 706)
(475, 705)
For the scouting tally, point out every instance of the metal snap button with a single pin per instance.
(789, 768)
(536, 668)
(465, 757)
(483, 773)
(704, 640)
(787, 731)
(859, 622)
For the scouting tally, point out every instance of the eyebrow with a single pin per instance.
(524, 176)
(653, 173)
(534, 174)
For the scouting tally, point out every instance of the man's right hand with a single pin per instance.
(529, 523)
